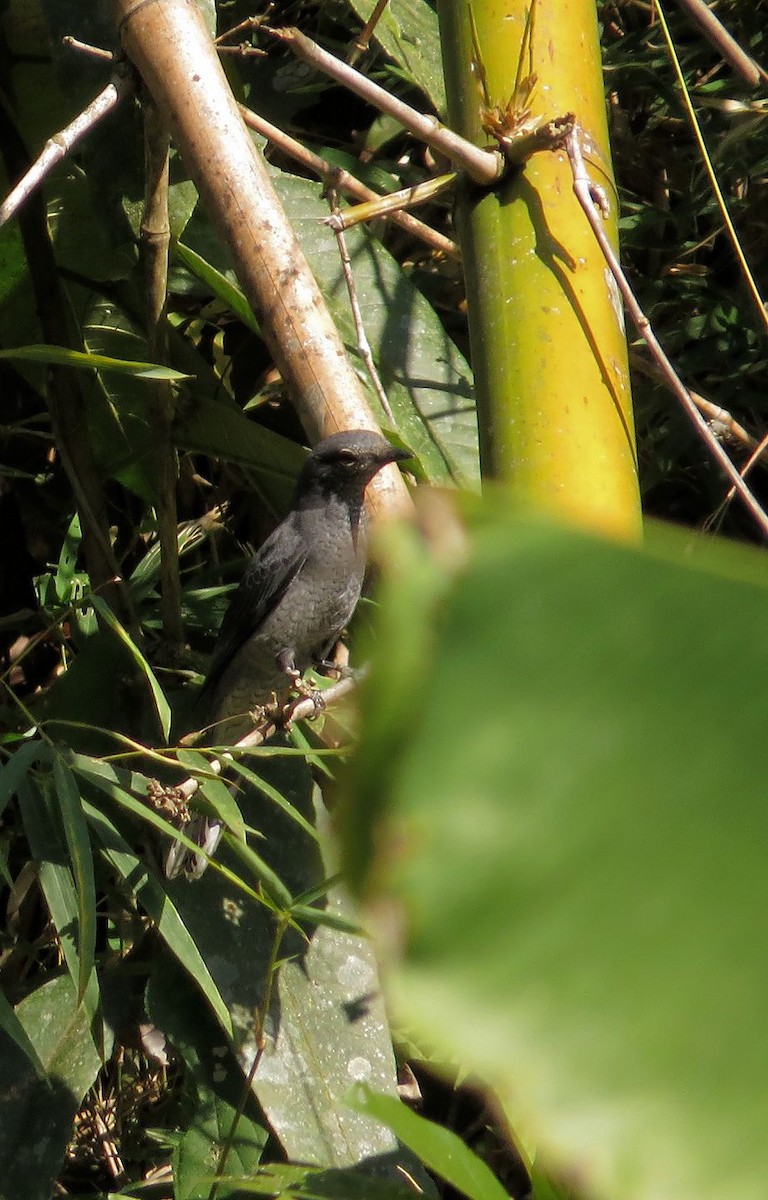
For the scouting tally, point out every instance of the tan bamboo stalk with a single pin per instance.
(176, 58)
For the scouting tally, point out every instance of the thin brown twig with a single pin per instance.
(594, 203)
(62, 143)
(363, 345)
(484, 166)
(722, 423)
(362, 42)
(345, 181)
(755, 456)
(73, 43)
(420, 193)
(716, 33)
(247, 26)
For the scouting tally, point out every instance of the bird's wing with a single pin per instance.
(263, 585)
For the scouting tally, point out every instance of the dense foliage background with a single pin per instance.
(103, 960)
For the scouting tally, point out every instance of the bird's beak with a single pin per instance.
(398, 455)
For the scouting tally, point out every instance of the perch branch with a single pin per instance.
(304, 708)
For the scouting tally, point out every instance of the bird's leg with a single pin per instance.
(287, 664)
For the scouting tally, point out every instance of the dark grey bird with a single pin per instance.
(298, 593)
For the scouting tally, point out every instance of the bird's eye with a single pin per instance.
(347, 458)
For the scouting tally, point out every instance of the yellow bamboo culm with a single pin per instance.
(546, 323)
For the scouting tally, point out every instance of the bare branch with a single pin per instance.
(63, 142)
(345, 182)
(363, 345)
(301, 710)
(483, 166)
(722, 40)
(594, 203)
(420, 193)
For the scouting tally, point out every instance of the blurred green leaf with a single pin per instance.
(571, 834)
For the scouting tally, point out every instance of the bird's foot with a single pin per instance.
(337, 670)
(306, 692)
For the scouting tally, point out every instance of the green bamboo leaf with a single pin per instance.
(215, 791)
(315, 1048)
(160, 908)
(220, 285)
(269, 879)
(59, 356)
(427, 379)
(15, 771)
(272, 793)
(174, 1006)
(439, 1148)
(162, 707)
(311, 915)
(408, 32)
(42, 817)
(67, 565)
(116, 785)
(317, 1183)
(80, 857)
(6, 874)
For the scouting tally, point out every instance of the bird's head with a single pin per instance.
(345, 463)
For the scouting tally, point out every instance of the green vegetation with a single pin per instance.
(546, 803)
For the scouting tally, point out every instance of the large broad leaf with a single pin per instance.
(173, 1005)
(426, 378)
(573, 848)
(36, 1115)
(326, 1025)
